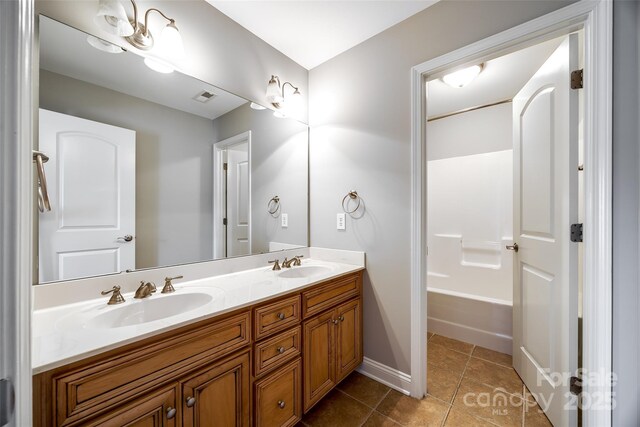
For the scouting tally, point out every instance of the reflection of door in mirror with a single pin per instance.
(91, 178)
(232, 199)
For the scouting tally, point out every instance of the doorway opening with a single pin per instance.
(232, 196)
(503, 190)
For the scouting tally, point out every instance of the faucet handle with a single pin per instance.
(276, 265)
(296, 259)
(168, 286)
(116, 298)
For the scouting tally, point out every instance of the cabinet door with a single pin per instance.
(156, 409)
(348, 338)
(218, 395)
(319, 357)
(279, 397)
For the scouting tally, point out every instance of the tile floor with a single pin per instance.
(467, 386)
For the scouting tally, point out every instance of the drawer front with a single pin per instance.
(326, 296)
(278, 397)
(277, 350)
(275, 317)
(105, 383)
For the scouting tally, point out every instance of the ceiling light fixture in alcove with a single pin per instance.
(463, 77)
(164, 53)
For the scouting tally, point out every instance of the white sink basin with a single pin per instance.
(304, 271)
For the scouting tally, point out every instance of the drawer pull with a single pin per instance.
(191, 401)
(171, 412)
(341, 318)
(280, 349)
(281, 404)
(281, 316)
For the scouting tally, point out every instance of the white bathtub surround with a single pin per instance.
(481, 321)
(65, 327)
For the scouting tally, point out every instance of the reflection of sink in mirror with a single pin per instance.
(304, 271)
(139, 312)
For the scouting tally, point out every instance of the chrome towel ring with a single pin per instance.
(351, 195)
(273, 205)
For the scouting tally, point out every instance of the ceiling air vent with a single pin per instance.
(204, 96)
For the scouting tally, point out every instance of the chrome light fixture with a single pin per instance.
(169, 48)
(276, 94)
(463, 77)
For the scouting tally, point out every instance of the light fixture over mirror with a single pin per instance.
(463, 77)
(163, 53)
(276, 95)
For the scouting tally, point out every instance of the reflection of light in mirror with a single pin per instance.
(104, 45)
(257, 106)
(279, 114)
(158, 65)
(463, 77)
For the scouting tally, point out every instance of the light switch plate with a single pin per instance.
(341, 221)
(285, 220)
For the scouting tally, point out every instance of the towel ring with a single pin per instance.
(273, 205)
(352, 195)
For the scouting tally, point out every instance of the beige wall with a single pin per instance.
(360, 139)
(219, 50)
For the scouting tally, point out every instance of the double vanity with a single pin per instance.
(255, 347)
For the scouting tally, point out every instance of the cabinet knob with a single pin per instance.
(280, 349)
(335, 321)
(281, 404)
(171, 412)
(341, 318)
(281, 316)
(191, 401)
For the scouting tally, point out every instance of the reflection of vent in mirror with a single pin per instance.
(204, 96)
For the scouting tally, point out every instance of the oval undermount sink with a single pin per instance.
(304, 271)
(148, 310)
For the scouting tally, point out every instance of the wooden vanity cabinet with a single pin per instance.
(214, 372)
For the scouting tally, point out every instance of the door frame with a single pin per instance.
(218, 190)
(595, 19)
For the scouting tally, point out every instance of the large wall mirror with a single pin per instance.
(148, 169)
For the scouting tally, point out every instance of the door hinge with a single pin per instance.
(577, 79)
(575, 386)
(225, 166)
(576, 232)
(224, 221)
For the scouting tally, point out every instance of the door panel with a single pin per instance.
(319, 357)
(278, 397)
(545, 318)
(91, 179)
(238, 213)
(348, 339)
(220, 393)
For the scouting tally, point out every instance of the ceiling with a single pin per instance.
(311, 32)
(501, 79)
(64, 50)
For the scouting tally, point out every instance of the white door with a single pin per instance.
(238, 200)
(91, 179)
(545, 297)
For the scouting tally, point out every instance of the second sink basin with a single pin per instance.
(304, 271)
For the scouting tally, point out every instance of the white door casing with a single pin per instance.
(237, 202)
(545, 316)
(91, 178)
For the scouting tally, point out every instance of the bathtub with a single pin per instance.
(486, 322)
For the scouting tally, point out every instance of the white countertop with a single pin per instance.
(72, 332)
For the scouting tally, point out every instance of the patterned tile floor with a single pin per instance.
(467, 386)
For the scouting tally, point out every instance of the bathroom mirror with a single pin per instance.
(146, 169)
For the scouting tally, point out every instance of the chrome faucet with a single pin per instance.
(145, 290)
(295, 261)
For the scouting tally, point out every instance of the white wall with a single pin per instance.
(469, 202)
(360, 139)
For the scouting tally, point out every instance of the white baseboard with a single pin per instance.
(390, 377)
(490, 340)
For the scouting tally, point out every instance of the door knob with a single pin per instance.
(126, 238)
(191, 401)
(513, 247)
(171, 412)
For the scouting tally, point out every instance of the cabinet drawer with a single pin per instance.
(278, 397)
(275, 317)
(275, 351)
(327, 296)
(107, 382)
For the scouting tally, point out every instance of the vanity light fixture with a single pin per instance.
(169, 48)
(276, 94)
(255, 106)
(463, 77)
